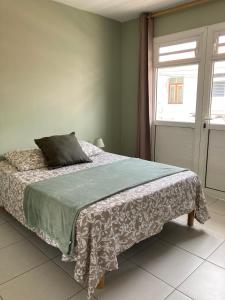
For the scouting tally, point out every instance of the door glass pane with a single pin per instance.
(176, 93)
(221, 49)
(222, 39)
(218, 93)
(178, 47)
(177, 56)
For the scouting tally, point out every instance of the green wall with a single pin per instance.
(130, 44)
(63, 69)
(60, 71)
(207, 14)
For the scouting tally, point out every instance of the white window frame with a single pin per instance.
(198, 35)
(214, 31)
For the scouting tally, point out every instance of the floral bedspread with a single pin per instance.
(109, 227)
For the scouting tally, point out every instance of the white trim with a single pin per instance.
(181, 62)
(216, 127)
(177, 52)
(200, 101)
(176, 39)
(199, 35)
(174, 124)
(213, 32)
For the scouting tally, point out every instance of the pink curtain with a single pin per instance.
(145, 101)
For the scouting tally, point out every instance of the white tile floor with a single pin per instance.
(180, 263)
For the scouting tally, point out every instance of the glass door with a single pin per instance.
(189, 122)
(179, 61)
(212, 161)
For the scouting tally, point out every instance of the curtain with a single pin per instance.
(145, 87)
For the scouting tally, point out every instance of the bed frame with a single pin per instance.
(190, 222)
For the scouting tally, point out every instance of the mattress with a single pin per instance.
(109, 227)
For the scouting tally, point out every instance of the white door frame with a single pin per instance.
(199, 34)
(211, 57)
(206, 39)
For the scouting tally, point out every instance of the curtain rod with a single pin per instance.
(178, 7)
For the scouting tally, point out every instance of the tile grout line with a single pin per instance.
(49, 259)
(25, 238)
(216, 213)
(215, 250)
(93, 296)
(204, 260)
(33, 244)
(185, 294)
(212, 263)
(43, 263)
(70, 297)
(173, 244)
(169, 294)
(4, 222)
(140, 267)
(175, 290)
(67, 274)
(178, 247)
(14, 243)
(52, 260)
(125, 259)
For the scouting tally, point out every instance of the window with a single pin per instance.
(218, 81)
(218, 93)
(220, 45)
(177, 85)
(177, 79)
(218, 88)
(175, 90)
(177, 52)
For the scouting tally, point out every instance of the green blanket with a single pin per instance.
(53, 205)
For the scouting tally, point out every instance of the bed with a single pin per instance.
(109, 227)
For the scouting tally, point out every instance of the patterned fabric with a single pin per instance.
(32, 159)
(109, 227)
(25, 160)
(90, 149)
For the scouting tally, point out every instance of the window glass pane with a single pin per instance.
(177, 56)
(176, 93)
(218, 94)
(221, 49)
(178, 47)
(180, 89)
(222, 39)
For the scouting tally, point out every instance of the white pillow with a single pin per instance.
(90, 149)
(25, 160)
(32, 159)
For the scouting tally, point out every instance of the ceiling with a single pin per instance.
(121, 10)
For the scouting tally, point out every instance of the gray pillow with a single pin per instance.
(62, 150)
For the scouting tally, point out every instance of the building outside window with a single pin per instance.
(175, 92)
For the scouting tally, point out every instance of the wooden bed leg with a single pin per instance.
(101, 283)
(191, 217)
